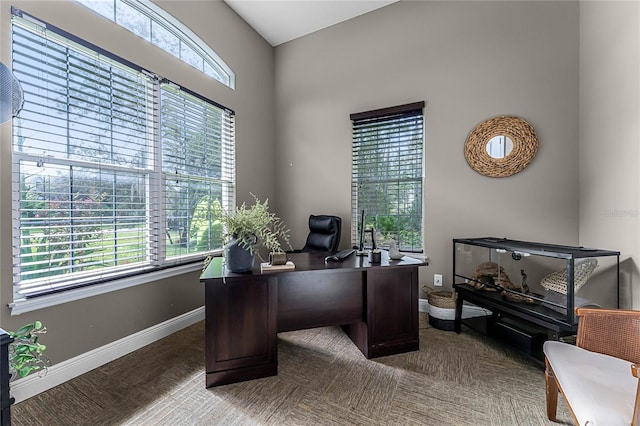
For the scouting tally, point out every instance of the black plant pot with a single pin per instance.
(238, 258)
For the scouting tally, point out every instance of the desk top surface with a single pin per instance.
(312, 262)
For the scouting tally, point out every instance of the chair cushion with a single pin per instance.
(599, 388)
(320, 242)
(322, 224)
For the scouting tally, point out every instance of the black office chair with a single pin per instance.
(324, 234)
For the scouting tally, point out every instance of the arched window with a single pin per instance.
(145, 19)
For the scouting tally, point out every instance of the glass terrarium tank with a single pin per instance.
(544, 282)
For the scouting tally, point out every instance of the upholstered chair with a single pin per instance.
(599, 375)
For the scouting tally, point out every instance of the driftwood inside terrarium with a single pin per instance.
(490, 276)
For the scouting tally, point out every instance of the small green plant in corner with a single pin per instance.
(26, 353)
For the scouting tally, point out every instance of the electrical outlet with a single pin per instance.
(437, 280)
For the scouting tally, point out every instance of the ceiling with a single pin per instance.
(279, 21)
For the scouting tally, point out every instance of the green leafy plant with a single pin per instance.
(248, 224)
(26, 354)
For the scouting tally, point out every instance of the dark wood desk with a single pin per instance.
(376, 305)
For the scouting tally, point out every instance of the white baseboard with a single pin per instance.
(29, 386)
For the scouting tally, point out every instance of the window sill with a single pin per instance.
(27, 305)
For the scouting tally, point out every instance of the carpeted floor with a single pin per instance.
(323, 379)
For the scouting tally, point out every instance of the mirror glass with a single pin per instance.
(499, 146)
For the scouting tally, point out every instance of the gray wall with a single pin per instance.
(610, 134)
(77, 327)
(469, 61)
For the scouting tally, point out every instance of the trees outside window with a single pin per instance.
(387, 174)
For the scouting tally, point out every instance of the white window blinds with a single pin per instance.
(114, 172)
(387, 174)
(198, 169)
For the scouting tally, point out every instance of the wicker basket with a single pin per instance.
(442, 299)
(557, 281)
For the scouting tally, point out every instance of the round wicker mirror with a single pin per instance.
(477, 148)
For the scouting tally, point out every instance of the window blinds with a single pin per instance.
(387, 174)
(198, 169)
(114, 172)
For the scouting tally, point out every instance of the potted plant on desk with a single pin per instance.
(248, 227)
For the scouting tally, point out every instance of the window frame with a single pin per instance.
(155, 207)
(158, 16)
(380, 120)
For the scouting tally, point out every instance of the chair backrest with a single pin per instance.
(614, 332)
(324, 234)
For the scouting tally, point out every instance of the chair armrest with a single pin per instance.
(635, 370)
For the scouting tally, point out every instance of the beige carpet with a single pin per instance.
(323, 379)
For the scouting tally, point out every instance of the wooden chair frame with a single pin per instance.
(594, 334)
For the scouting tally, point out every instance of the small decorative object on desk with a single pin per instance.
(266, 267)
(278, 258)
(375, 256)
(394, 252)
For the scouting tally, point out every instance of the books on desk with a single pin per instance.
(267, 267)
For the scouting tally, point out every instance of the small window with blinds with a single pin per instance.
(116, 172)
(387, 175)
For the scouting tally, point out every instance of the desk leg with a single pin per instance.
(241, 337)
(391, 317)
(458, 319)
